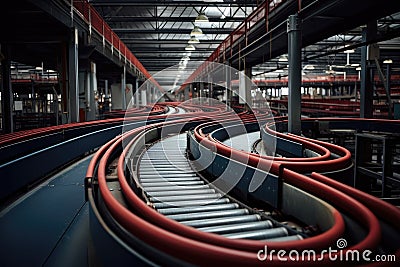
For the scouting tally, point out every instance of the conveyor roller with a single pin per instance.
(176, 191)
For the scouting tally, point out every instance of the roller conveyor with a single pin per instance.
(124, 229)
(175, 190)
(224, 226)
(179, 225)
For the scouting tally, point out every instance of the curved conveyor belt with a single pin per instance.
(175, 190)
(162, 211)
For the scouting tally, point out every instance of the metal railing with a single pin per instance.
(225, 49)
(97, 23)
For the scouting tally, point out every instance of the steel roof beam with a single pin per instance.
(176, 52)
(165, 42)
(112, 19)
(379, 38)
(171, 31)
(226, 3)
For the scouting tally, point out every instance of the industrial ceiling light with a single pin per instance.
(309, 67)
(196, 31)
(283, 58)
(388, 61)
(190, 47)
(201, 18)
(349, 51)
(358, 68)
(193, 40)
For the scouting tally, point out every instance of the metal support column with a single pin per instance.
(248, 87)
(137, 93)
(228, 77)
(294, 54)
(73, 81)
(105, 89)
(106, 97)
(186, 93)
(92, 105)
(6, 92)
(210, 90)
(63, 69)
(367, 90)
(83, 91)
(388, 75)
(153, 91)
(201, 92)
(143, 94)
(388, 85)
(191, 89)
(123, 87)
(148, 93)
(34, 106)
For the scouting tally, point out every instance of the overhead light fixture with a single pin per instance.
(193, 40)
(388, 61)
(309, 67)
(201, 18)
(349, 51)
(190, 47)
(355, 65)
(283, 59)
(196, 31)
(358, 68)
